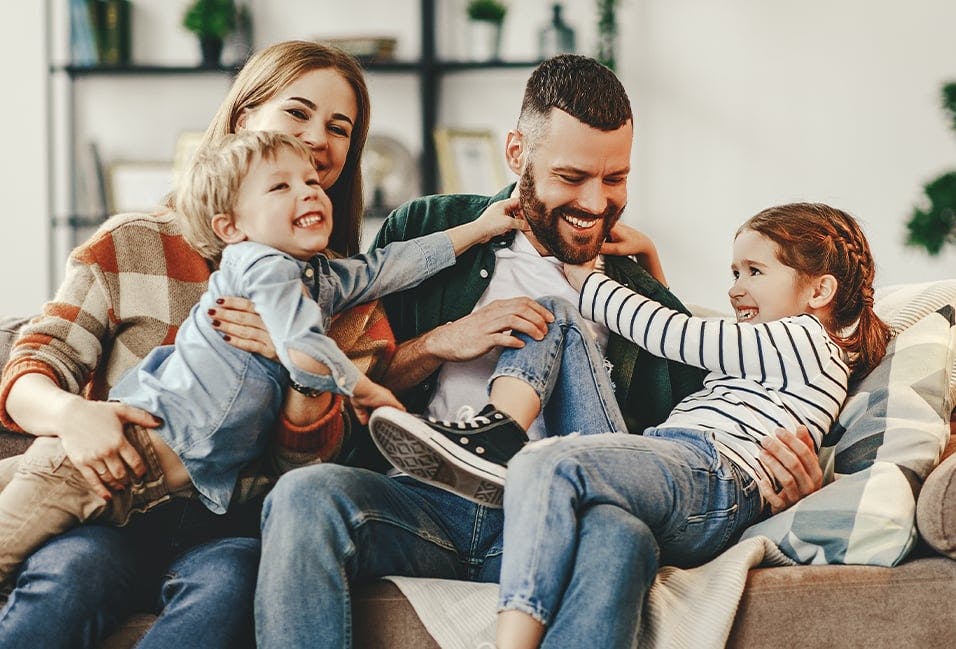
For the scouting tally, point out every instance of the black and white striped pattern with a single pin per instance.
(762, 376)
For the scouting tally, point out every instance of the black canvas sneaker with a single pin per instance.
(468, 457)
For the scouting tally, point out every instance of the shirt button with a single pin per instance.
(309, 272)
(342, 380)
(484, 273)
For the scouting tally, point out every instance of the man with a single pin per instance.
(326, 527)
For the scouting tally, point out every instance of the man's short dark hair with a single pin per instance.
(581, 87)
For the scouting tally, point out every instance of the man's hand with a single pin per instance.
(242, 326)
(493, 325)
(793, 462)
(92, 437)
(368, 396)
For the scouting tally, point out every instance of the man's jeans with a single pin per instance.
(326, 527)
(76, 589)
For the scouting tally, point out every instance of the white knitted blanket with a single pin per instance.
(692, 609)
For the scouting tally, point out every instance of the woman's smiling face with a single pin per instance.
(320, 109)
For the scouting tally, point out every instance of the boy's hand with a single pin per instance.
(368, 396)
(500, 217)
(577, 273)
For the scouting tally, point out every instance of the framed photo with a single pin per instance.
(138, 186)
(469, 161)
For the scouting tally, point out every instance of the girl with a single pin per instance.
(803, 298)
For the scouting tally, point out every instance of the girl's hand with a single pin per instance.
(793, 462)
(368, 396)
(623, 240)
(500, 217)
(577, 273)
(93, 438)
(242, 327)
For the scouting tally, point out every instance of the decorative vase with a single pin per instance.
(484, 40)
(556, 37)
(211, 48)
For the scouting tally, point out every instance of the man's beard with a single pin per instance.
(543, 224)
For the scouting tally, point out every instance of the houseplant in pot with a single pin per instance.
(484, 20)
(211, 21)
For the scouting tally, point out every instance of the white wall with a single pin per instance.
(23, 222)
(741, 104)
(749, 103)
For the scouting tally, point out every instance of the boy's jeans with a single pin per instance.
(670, 497)
(48, 495)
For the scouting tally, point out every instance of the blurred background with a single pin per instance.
(740, 105)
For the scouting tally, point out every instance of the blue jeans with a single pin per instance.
(78, 587)
(672, 498)
(328, 527)
(567, 372)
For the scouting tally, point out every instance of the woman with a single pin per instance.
(127, 289)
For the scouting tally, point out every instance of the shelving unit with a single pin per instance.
(428, 69)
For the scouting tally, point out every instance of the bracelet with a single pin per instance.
(307, 391)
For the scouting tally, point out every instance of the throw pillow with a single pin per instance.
(888, 438)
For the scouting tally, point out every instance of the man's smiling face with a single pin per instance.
(573, 187)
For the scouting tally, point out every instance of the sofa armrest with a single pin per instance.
(936, 507)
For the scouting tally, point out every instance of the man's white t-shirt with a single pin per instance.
(519, 271)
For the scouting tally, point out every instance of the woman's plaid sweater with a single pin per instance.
(126, 291)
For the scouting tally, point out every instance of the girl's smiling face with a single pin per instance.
(764, 288)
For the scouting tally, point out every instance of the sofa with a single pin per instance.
(905, 600)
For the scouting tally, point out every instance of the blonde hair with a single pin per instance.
(265, 75)
(211, 184)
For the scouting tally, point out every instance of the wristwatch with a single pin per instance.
(307, 391)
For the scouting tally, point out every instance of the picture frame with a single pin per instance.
(469, 161)
(138, 186)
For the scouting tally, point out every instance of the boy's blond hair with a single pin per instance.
(211, 184)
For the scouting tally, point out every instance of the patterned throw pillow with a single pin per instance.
(888, 438)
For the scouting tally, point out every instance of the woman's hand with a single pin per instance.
(242, 327)
(93, 438)
(368, 396)
(623, 240)
(793, 462)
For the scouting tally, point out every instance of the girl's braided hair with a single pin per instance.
(815, 239)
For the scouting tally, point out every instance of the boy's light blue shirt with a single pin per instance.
(218, 404)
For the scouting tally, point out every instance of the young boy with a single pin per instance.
(256, 199)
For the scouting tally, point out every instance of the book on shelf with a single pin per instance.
(82, 45)
(111, 29)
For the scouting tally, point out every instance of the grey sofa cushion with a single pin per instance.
(11, 443)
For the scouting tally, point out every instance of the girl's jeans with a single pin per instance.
(674, 499)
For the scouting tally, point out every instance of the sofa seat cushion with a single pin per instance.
(847, 607)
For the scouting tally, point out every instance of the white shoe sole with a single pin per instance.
(412, 446)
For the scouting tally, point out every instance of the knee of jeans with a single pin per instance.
(308, 493)
(562, 310)
(93, 558)
(537, 461)
(225, 565)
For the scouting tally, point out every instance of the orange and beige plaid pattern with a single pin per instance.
(127, 289)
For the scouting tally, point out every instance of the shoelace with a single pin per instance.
(464, 418)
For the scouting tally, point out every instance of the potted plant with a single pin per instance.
(211, 21)
(485, 18)
(932, 224)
